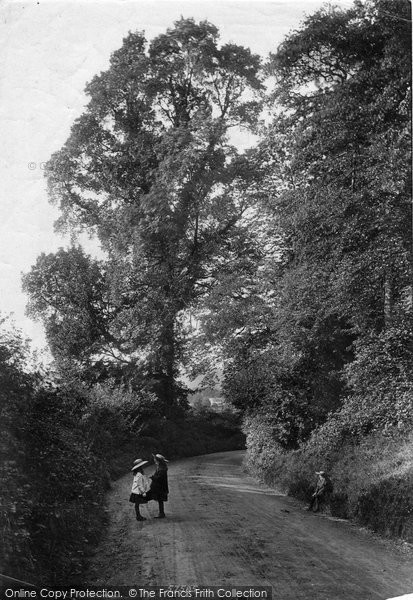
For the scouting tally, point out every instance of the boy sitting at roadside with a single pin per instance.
(322, 491)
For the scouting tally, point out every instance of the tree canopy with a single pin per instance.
(335, 195)
(149, 170)
(288, 254)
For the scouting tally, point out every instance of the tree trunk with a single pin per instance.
(163, 367)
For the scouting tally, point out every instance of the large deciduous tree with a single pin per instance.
(148, 169)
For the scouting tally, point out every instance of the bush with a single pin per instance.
(66, 486)
(16, 388)
(118, 423)
(60, 449)
(365, 445)
(372, 477)
(198, 432)
(387, 507)
(258, 385)
(380, 381)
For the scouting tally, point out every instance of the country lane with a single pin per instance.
(225, 528)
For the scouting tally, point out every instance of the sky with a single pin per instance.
(50, 50)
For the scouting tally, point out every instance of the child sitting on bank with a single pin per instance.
(322, 492)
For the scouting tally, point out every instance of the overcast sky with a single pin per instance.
(50, 50)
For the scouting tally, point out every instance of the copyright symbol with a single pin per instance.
(32, 166)
(133, 593)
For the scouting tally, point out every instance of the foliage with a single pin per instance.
(336, 292)
(337, 186)
(380, 378)
(75, 307)
(257, 384)
(372, 480)
(115, 415)
(52, 483)
(149, 171)
(295, 259)
(15, 390)
(60, 447)
(380, 391)
(200, 432)
(366, 445)
(343, 200)
(66, 487)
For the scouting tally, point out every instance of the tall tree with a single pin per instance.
(337, 188)
(148, 169)
(341, 148)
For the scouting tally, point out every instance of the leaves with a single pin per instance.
(335, 198)
(149, 171)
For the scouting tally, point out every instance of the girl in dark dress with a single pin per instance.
(159, 487)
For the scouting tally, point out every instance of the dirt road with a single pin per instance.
(224, 528)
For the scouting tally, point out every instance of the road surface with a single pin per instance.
(225, 528)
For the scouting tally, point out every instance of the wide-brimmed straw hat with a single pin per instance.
(138, 463)
(320, 472)
(160, 457)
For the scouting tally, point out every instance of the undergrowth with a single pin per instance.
(60, 451)
(373, 479)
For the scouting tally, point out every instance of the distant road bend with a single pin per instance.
(225, 528)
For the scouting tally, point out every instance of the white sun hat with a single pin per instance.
(138, 463)
(161, 457)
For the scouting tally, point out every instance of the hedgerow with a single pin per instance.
(60, 450)
(366, 445)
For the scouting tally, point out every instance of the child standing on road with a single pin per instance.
(140, 487)
(159, 487)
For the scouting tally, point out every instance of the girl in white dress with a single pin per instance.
(140, 487)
